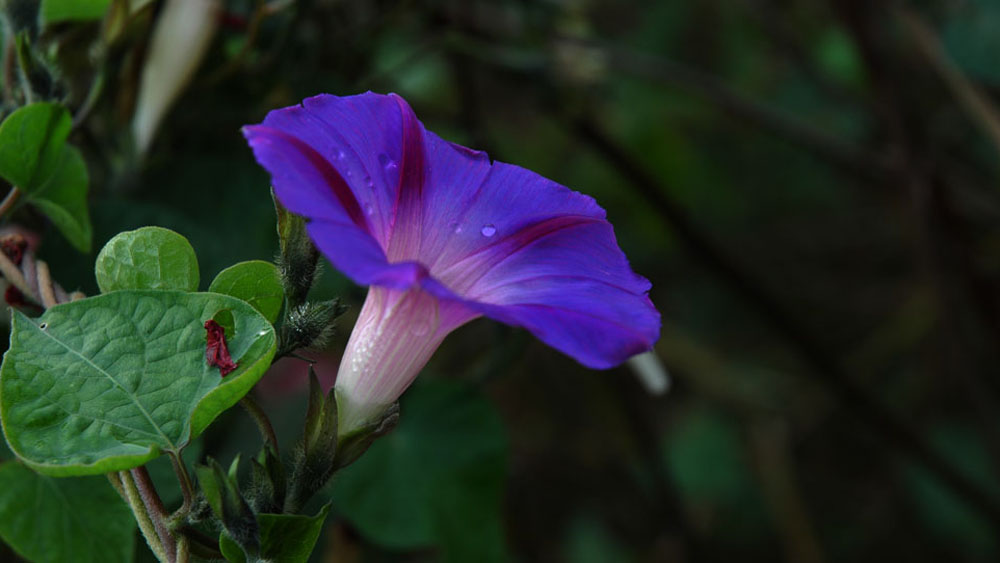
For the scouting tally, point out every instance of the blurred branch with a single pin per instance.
(776, 469)
(823, 364)
(856, 162)
(942, 242)
(788, 45)
(637, 408)
(975, 103)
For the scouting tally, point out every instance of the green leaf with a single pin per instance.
(147, 258)
(48, 520)
(73, 10)
(256, 282)
(436, 480)
(31, 144)
(288, 538)
(107, 383)
(53, 176)
(63, 198)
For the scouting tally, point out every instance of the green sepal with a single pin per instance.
(315, 461)
(223, 495)
(288, 538)
(351, 446)
(270, 484)
(309, 325)
(298, 258)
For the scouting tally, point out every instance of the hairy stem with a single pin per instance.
(154, 508)
(187, 489)
(139, 510)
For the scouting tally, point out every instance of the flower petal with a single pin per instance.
(394, 205)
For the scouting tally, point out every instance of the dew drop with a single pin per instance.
(341, 154)
(368, 181)
(488, 230)
(387, 163)
(43, 326)
(369, 209)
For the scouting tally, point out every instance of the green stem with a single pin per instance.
(183, 552)
(134, 499)
(187, 489)
(154, 508)
(9, 200)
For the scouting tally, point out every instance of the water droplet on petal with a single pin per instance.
(387, 163)
(368, 181)
(341, 154)
(488, 230)
(369, 209)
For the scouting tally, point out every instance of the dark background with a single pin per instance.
(811, 187)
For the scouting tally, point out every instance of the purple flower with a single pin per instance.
(443, 236)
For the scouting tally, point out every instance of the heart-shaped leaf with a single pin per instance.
(107, 383)
(50, 520)
(147, 258)
(256, 282)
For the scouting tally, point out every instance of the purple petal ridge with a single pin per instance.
(393, 205)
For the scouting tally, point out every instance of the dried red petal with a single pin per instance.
(216, 351)
(14, 246)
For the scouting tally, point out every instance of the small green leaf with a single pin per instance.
(147, 258)
(436, 480)
(256, 282)
(31, 144)
(49, 520)
(107, 383)
(288, 538)
(73, 10)
(63, 198)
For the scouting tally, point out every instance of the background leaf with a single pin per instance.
(31, 144)
(256, 282)
(288, 538)
(63, 198)
(66, 10)
(147, 258)
(76, 520)
(436, 480)
(108, 382)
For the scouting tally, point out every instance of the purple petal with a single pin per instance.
(394, 205)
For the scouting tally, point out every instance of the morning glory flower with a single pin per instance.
(443, 236)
